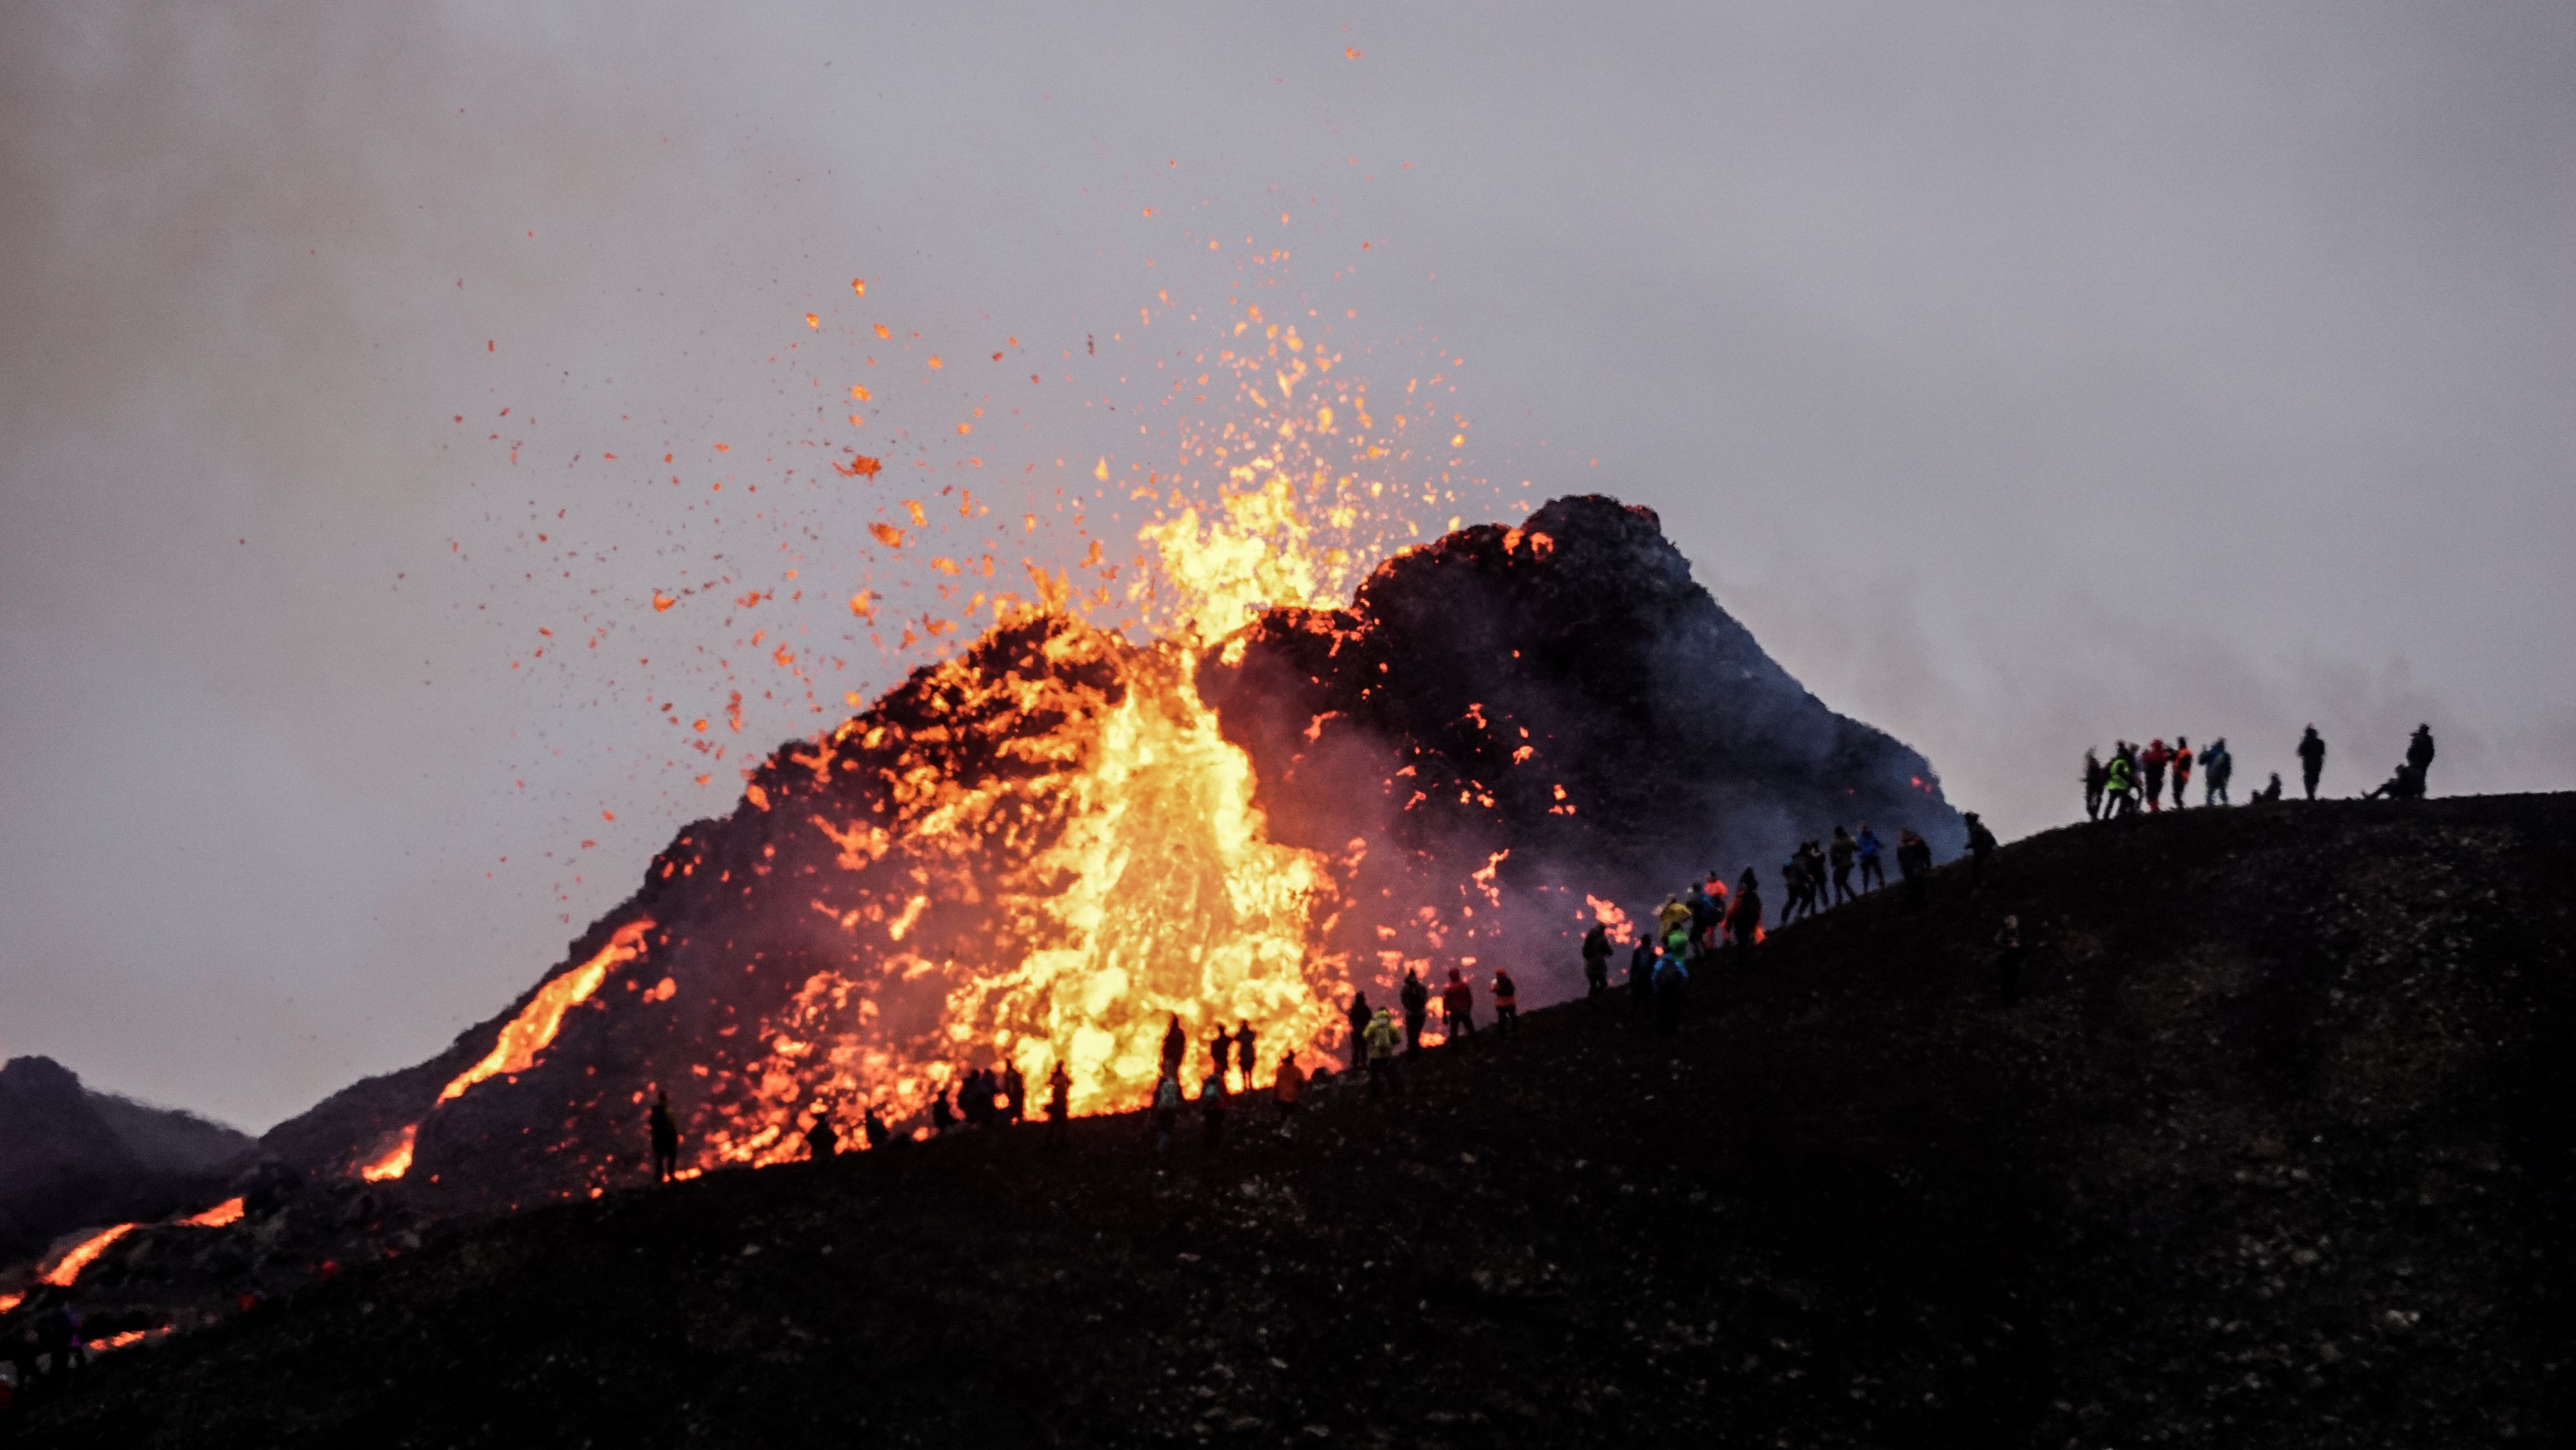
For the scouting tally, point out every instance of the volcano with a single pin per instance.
(1043, 849)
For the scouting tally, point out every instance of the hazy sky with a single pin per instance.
(2022, 375)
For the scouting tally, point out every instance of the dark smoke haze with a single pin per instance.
(2020, 376)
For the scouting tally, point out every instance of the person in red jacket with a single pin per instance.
(1457, 1008)
(2152, 764)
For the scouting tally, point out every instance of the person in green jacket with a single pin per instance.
(1381, 1041)
(2116, 790)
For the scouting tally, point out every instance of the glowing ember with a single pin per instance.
(69, 1266)
(11, 1301)
(120, 1341)
(394, 1161)
(528, 1033)
(226, 1212)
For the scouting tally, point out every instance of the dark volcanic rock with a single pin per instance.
(2273, 1149)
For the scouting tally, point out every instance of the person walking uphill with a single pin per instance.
(2312, 760)
(2095, 777)
(1417, 1009)
(1641, 977)
(1981, 844)
(2116, 785)
(1841, 853)
(1507, 1004)
(1744, 914)
(666, 1138)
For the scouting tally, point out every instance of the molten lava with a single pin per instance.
(69, 1266)
(227, 1212)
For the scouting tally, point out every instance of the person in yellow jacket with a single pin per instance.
(1380, 1041)
(2117, 790)
(1671, 917)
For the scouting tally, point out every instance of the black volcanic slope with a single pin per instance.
(2275, 1150)
(71, 1157)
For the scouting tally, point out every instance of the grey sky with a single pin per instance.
(2020, 375)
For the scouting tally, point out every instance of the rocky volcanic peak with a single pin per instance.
(1563, 691)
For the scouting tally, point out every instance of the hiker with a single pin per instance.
(943, 1118)
(1641, 976)
(2008, 960)
(1360, 1016)
(1981, 844)
(1243, 1054)
(58, 1336)
(1287, 1087)
(1167, 1110)
(2419, 756)
(1015, 1091)
(1596, 960)
(822, 1140)
(2269, 793)
(1672, 993)
(1417, 1008)
(1059, 1093)
(1794, 890)
(2096, 775)
(2216, 765)
(1673, 915)
(2116, 784)
(1220, 1051)
(2151, 783)
(1867, 847)
(1457, 1008)
(1176, 1045)
(2181, 770)
(1744, 917)
(1814, 854)
(666, 1137)
(874, 1128)
(1507, 1004)
(1212, 1107)
(1913, 864)
(1841, 853)
(1380, 1041)
(2312, 759)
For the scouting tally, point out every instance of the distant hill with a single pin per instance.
(2274, 1149)
(72, 1158)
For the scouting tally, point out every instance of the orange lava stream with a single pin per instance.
(83, 1253)
(527, 1034)
(228, 1211)
(394, 1161)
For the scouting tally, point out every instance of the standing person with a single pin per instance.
(1167, 1111)
(1744, 916)
(1674, 915)
(2181, 770)
(2419, 757)
(1212, 1107)
(1842, 858)
(1507, 1003)
(1417, 1008)
(1176, 1046)
(2008, 960)
(1867, 847)
(943, 1118)
(1641, 976)
(1220, 1051)
(1596, 960)
(1794, 890)
(1981, 844)
(1380, 1043)
(1015, 1091)
(666, 1137)
(2152, 783)
(1457, 1008)
(2216, 765)
(874, 1128)
(1913, 864)
(1287, 1087)
(1059, 1093)
(822, 1140)
(1360, 1017)
(1243, 1040)
(2312, 759)
(2096, 775)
